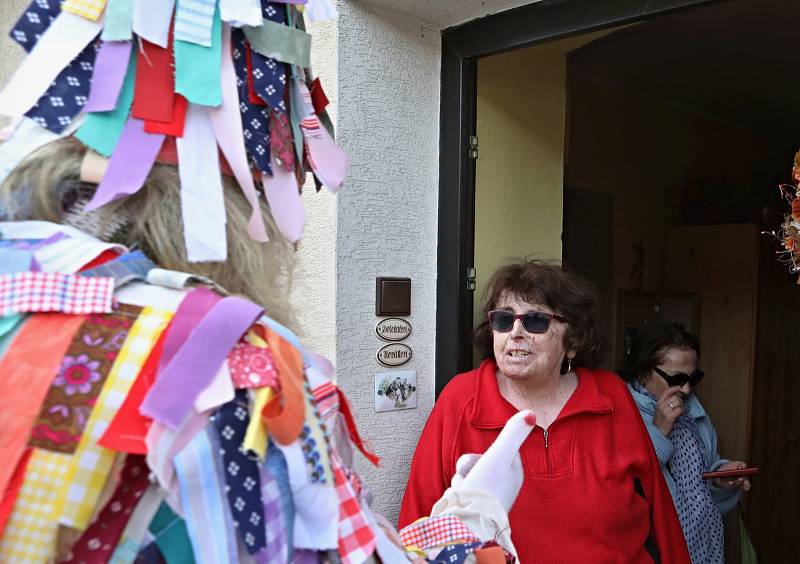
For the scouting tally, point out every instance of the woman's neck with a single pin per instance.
(546, 396)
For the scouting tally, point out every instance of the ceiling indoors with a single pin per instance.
(735, 59)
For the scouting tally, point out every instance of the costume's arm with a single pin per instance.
(428, 478)
(724, 498)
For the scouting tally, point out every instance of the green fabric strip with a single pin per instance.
(119, 21)
(101, 130)
(9, 327)
(281, 42)
(197, 68)
(171, 536)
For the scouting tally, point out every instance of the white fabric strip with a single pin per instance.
(241, 12)
(151, 20)
(66, 37)
(202, 200)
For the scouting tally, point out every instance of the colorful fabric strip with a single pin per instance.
(240, 12)
(9, 497)
(284, 200)
(136, 528)
(254, 119)
(202, 198)
(119, 21)
(202, 500)
(90, 9)
(356, 539)
(241, 474)
(194, 20)
(171, 536)
(191, 370)
(33, 22)
(30, 533)
(109, 74)
(92, 462)
(436, 531)
(252, 366)
(276, 550)
(124, 269)
(59, 45)
(26, 292)
(227, 125)
(327, 159)
(152, 20)
(97, 542)
(80, 378)
(129, 166)
(197, 68)
(67, 96)
(128, 428)
(101, 131)
(281, 42)
(154, 99)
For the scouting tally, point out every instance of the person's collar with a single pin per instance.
(647, 403)
(490, 410)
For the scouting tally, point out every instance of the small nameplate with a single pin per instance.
(396, 354)
(393, 329)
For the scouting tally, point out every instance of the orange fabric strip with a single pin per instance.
(284, 416)
(28, 369)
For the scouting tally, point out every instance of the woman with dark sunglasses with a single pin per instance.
(592, 490)
(662, 373)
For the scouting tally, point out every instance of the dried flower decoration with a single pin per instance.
(788, 234)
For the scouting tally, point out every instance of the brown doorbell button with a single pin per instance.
(392, 296)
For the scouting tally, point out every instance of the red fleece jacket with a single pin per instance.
(593, 490)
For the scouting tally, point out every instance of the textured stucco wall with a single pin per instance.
(313, 293)
(10, 53)
(388, 118)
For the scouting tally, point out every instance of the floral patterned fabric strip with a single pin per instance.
(80, 378)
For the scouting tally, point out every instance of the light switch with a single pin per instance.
(392, 296)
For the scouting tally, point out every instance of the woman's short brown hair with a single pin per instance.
(552, 285)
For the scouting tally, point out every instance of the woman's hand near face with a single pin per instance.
(733, 483)
(668, 408)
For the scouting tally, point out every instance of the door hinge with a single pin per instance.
(471, 279)
(473, 147)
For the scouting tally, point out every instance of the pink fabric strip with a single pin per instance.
(129, 165)
(27, 292)
(284, 201)
(109, 74)
(227, 124)
(327, 159)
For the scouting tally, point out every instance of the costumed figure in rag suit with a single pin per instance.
(157, 408)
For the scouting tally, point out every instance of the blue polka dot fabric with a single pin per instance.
(242, 478)
(68, 93)
(700, 519)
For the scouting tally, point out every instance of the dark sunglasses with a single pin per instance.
(681, 378)
(502, 321)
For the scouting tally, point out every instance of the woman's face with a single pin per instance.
(520, 354)
(675, 359)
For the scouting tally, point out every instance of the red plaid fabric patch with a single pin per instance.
(436, 531)
(26, 292)
(356, 539)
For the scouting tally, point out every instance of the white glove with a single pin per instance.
(498, 471)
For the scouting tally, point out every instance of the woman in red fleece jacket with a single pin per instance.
(592, 490)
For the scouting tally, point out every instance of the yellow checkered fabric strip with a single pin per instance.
(89, 9)
(92, 463)
(31, 530)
